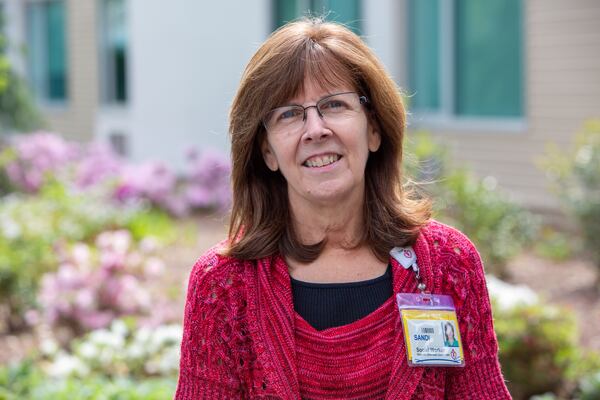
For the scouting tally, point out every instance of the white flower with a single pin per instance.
(106, 356)
(490, 182)
(509, 296)
(88, 350)
(583, 156)
(48, 346)
(143, 335)
(103, 337)
(119, 327)
(135, 351)
(169, 333)
(169, 362)
(65, 365)
(10, 229)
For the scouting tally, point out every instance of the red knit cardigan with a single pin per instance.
(239, 324)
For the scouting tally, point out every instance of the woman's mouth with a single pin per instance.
(321, 161)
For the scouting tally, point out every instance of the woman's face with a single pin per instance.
(325, 161)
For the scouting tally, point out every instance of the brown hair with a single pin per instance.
(329, 53)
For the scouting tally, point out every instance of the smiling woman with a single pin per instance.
(299, 301)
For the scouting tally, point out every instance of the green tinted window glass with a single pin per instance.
(46, 49)
(57, 84)
(488, 61)
(346, 12)
(424, 54)
(284, 11)
(114, 51)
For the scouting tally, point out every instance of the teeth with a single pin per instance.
(321, 161)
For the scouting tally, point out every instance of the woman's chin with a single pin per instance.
(330, 195)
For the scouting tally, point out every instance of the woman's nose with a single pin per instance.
(314, 125)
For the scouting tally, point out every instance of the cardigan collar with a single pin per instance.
(272, 324)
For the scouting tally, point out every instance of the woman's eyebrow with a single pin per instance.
(328, 94)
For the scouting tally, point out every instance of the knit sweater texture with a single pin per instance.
(242, 338)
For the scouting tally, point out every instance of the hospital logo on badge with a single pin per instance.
(453, 354)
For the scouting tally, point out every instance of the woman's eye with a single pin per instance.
(334, 105)
(290, 113)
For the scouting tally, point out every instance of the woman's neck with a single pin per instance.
(340, 224)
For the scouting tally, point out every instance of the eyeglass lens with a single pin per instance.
(331, 108)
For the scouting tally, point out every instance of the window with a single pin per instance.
(465, 58)
(46, 49)
(343, 11)
(113, 52)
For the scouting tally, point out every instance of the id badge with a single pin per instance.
(430, 330)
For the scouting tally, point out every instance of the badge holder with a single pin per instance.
(428, 320)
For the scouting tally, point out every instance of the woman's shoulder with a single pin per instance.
(217, 272)
(449, 245)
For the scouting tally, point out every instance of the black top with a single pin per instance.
(326, 305)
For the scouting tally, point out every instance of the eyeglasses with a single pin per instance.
(334, 108)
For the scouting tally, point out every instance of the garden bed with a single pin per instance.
(569, 284)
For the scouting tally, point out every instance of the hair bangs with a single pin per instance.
(325, 69)
(312, 61)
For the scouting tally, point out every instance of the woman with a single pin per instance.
(449, 336)
(298, 303)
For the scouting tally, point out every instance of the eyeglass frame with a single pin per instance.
(362, 100)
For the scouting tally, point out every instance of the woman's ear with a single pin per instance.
(269, 155)
(374, 137)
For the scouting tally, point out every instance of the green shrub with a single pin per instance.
(545, 396)
(554, 245)
(32, 227)
(589, 388)
(539, 350)
(17, 380)
(25, 381)
(6, 155)
(17, 107)
(576, 178)
(425, 160)
(499, 228)
(105, 389)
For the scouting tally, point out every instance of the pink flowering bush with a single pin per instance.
(97, 164)
(32, 228)
(151, 181)
(207, 180)
(95, 285)
(36, 156)
(32, 161)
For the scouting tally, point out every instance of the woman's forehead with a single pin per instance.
(311, 87)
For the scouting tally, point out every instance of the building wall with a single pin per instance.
(186, 63)
(562, 90)
(74, 118)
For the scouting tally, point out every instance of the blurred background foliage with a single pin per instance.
(499, 228)
(82, 269)
(18, 112)
(575, 174)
